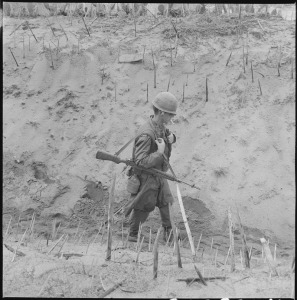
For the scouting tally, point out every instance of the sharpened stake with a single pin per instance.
(243, 59)
(170, 54)
(168, 85)
(13, 57)
(183, 93)
(134, 23)
(32, 33)
(252, 71)
(228, 59)
(260, 87)
(143, 54)
(115, 92)
(147, 92)
(51, 55)
(86, 26)
(155, 80)
(206, 100)
(110, 218)
(155, 251)
(64, 32)
(278, 67)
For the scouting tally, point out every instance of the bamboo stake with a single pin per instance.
(51, 26)
(187, 80)
(243, 59)
(278, 67)
(197, 248)
(228, 59)
(168, 238)
(292, 68)
(147, 92)
(268, 255)
(55, 245)
(134, 23)
(231, 240)
(8, 226)
(206, 100)
(29, 42)
(110, 218)
(17, 229)
(20, 242)
(143, 54)
(32, 224)
(211, 244)
(43, 286)
(23, 46)
(155, 251)
(250, 253)
(126, 242)
(17, 28)
(176, 46)
(247, 54)
(185, 222)
(245, 251)
(252, 71)
(111, 289)
(139, 250)
(64, 244)
(32, 33)
(216, 257)
(115, 92)
(80, 238)
(183, 92)
(260, 87)
(227, 256)
(58, 228)
(168, 85)
(170, 54)
(51, 55)
(241, 258)
(138, 235)
(86, 26)
(155, 79)
(150, 240)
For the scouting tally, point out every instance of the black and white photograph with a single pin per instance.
(148, 150)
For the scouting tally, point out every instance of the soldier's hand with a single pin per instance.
(161, 145)
(170, 138)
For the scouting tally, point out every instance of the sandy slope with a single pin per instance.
(238, 147)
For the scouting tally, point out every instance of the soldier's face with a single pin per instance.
(166, 117)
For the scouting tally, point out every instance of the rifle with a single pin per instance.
(106, 156)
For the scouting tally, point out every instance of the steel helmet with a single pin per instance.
(166, 102)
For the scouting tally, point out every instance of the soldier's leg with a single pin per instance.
(137, 217)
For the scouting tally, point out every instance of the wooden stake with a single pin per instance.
(216, 257)
(143, 54)
(29, 42)
(228, 59)
(147, 92)
(32, 33)
(168, 239)
(206, 100)
(138, 235)
(183, 92)
(134, 23)
(58, 49)
(250, 253)
(79, 240)
(155, 79)
(150, 240)
(43, 286)
(231, 240)
(170, 54)
(197, 248)
(211, 244)
(200, 275)
(268, 255)
(110, 218)
(278, 67)
(252, 71)
(20, 242)
(227, 256)
(292, 68)
(187, 80)
(17, 229)
(241, 258)
(247, 54)
(8, 226)
(155, 251)
(139, 250)
(260, 87)
(86, 26)
(65, 243)
(51, 55)
(243, 59)
(168, 84)
(13, 57)
(64, 32)
(243, 239)
(185, 221)
(115, 92)
(55, 244)
(23, 46)
(51, 26)
(17, 28)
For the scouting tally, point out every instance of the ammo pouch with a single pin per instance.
(133, 184)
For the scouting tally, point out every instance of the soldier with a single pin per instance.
(152, 147)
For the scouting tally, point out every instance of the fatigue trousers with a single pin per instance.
(140, 216)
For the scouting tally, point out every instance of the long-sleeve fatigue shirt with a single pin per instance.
(153, 191)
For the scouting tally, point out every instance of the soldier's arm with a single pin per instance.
(141, 154)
